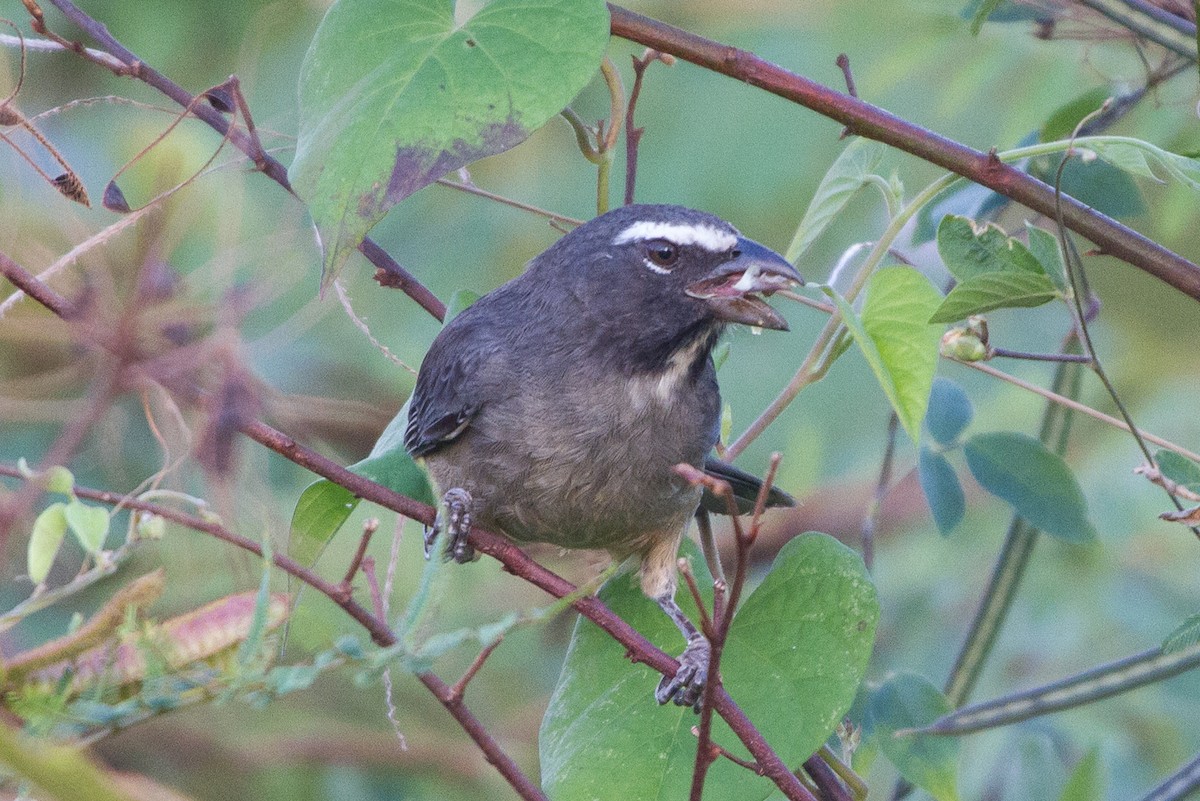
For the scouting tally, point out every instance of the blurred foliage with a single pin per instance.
(230, 265)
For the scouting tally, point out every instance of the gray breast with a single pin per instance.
(585, 461)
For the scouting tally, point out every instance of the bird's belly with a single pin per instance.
(595, 482)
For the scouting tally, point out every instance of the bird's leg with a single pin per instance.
(687, 686)
(658, 581)
(454, 518)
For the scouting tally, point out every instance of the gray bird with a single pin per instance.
(555, 407)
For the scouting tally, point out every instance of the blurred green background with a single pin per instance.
(247, 270)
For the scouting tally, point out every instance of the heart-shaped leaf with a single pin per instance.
(794, 658)
(396, 93)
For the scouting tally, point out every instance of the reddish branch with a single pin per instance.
(514, 560)
(396, 276)
(873, 122)
(378, 628)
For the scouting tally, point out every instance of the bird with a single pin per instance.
(555, 408)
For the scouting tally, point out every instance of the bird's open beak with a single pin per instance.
(732, 290)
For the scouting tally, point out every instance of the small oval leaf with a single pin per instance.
(1038, 484)
(89, 524)
(45, 540)
(1181, 470)
(949, 412)
(942, 490)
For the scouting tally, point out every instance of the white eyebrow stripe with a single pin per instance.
(706, 236)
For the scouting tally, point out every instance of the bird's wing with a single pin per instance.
(745, 488)
(447, 396)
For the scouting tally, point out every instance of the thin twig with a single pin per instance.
(370, 526)
(1076, 406)
(460, 686)
(633, 134)
(871, 519)
(134, 67)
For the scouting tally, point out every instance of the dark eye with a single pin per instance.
(662, 252)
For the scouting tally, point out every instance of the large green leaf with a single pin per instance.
(969, 251)
(999, 290)
(897, 340)
(396, 93)
(904, 702)
(1036, 482)
(849, 173)
(794, 657)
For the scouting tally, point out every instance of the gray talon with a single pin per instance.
(686, 688)
(454, 518)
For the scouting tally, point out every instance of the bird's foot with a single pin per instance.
(687, 686)
(454, 518)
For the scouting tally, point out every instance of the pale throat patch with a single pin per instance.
(717, 240)
(660, 389)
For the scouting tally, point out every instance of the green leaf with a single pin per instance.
(969, 251)
(320, 512)
(998, 290)
(850, 172)
(1063, 120)
(949, 411)
(1094, 183)
(895, 317)
(396, 93)
(942, 490)
(1180, 469)
(59, 479)
(986, 7)
(1044, 247)
(794, 658)
(1086, 782)
(324, 507)
(1037, 483)
(906, 701)
(1185, 635)
(460, 302)
(89, 524)
(1139, 158)
(46, 538)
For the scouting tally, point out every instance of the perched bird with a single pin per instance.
(555, 407)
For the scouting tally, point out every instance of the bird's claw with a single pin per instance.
(454, 518)
(686, 687)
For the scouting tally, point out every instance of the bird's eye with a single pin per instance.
(662, 252)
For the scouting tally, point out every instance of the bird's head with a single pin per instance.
(669, 265)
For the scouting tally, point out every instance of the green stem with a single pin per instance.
(811, 368)
(1014, 556)
(1099, 682)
